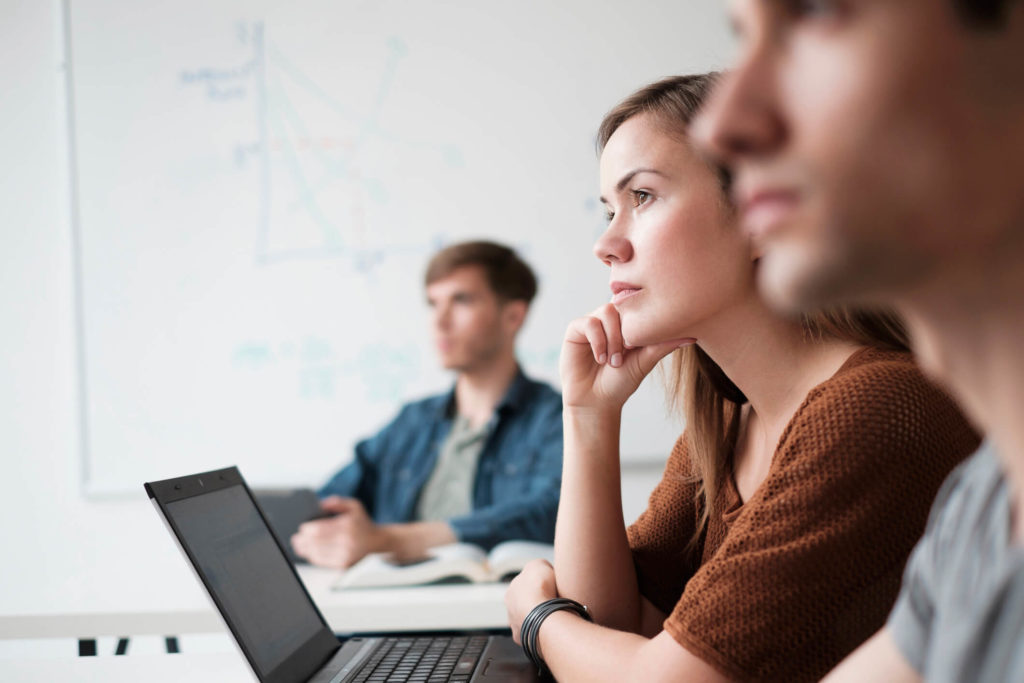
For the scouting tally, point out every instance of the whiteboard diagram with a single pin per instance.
(314, 185)
(259, 186)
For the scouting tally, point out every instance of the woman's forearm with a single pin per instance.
(579, 651)
(593, 564)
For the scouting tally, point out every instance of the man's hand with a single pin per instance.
(339, 541)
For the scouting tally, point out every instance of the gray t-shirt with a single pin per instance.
(448, 492)
(960, 612)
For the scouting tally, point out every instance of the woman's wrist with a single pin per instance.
(544, 613)
(590, 416)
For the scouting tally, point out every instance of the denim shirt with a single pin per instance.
(515, 495)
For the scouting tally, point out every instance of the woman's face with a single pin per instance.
(677, 260)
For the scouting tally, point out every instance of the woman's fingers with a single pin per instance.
(612, 326)
(603, 332)
(595, 334)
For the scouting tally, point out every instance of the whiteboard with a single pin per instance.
(259, 185)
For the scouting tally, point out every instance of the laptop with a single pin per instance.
(223, 532)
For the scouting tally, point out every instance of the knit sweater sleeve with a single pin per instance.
(811, 563)
(660, 535)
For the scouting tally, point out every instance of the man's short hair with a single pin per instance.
(508, 275)
(983, 13)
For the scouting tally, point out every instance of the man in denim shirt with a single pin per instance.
(480, 464)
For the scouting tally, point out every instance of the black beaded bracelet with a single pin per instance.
(531, 625)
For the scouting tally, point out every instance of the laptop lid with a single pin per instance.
(224, 533)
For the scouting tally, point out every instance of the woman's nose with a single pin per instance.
(613, 247)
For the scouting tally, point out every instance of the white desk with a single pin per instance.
(218, 668)
(187, 610)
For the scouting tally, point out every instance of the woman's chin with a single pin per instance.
(640, 331)
(639, 338)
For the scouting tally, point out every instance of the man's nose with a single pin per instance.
(442, 317)
(739, 119)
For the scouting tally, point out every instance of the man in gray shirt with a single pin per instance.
(960, 615)
(876, 151)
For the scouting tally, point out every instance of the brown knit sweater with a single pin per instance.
(784, 585)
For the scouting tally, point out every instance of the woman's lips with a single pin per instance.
(622, 291)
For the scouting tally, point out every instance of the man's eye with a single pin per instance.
(640, 197)
(821, 9)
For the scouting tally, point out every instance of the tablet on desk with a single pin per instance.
(285, 510)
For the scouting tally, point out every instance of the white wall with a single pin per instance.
(38, 495)
(58, 546)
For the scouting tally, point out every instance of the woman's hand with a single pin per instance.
(534, 585)
(598, 370)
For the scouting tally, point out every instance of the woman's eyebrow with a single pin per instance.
(629, 176)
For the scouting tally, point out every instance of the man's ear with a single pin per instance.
(755, 251)
(514, 314)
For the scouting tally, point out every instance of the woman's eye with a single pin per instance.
(640, 197)
(609, 216)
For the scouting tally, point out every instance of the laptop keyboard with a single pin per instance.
(423, 660)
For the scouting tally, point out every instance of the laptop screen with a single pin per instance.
(244, 570)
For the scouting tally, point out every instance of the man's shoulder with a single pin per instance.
(542, 391)
(969, 496)
(967, 531)
(973, 575)
(426, 407)
(527, 396)
(538, 402)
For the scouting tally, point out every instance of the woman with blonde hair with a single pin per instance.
(775, 540)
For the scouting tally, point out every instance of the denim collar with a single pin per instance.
(515, 398)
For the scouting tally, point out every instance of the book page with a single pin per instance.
(511, 556)
(457, 561)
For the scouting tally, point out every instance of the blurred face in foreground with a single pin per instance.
(877, 146)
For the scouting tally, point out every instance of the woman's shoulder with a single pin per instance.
(679, 462)
(870, 377)
(881, 394)
(873, 364)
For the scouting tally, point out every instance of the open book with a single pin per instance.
(455, 563)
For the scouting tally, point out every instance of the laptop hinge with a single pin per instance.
(350, 657)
